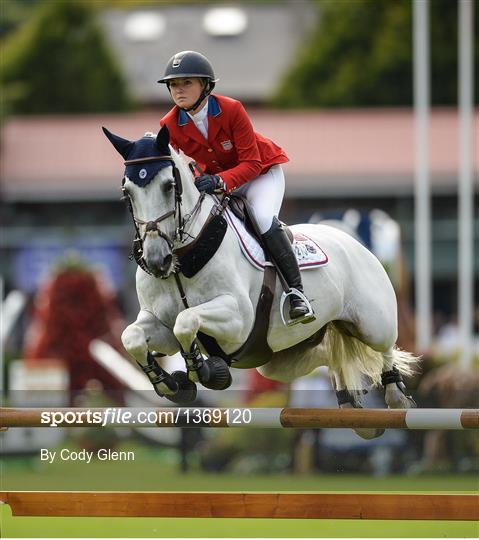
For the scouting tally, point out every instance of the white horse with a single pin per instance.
(355, 329)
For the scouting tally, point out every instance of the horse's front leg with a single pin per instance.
(145, 335)
(219, 318)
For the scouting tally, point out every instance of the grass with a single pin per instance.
(30, 527)
(158, 470)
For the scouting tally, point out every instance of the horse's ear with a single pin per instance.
(163, 140)
(123, 146)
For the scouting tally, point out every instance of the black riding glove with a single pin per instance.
(209, 183)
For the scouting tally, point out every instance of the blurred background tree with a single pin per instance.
(13, 13)
(58, 62)
(360, 54)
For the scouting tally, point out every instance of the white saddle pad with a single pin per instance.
(307, 251)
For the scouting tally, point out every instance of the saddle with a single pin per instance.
(241, 208)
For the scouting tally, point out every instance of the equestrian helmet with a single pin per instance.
(188, 64)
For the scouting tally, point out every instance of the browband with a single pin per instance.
(148, 159)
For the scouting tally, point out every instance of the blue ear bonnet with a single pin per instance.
(143, 173)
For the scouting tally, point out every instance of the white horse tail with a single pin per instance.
(354, 361)
(405, 361)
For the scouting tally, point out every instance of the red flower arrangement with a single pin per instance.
(70, 310)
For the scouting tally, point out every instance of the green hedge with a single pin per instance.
(58, 62)
(360, 54)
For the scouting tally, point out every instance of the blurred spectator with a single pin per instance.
(449, 386)
(448, 339)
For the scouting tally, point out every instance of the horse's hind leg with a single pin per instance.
(379, 335)
(395, 393)
(352, 399)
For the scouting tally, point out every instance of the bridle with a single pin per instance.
(154, 225)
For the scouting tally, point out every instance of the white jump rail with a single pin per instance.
(436, 419)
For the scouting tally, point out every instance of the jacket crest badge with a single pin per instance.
(226, 145)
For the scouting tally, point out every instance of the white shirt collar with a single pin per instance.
(201, 114)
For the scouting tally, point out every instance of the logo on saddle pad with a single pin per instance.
(307, 251)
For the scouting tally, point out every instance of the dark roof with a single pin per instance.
(249, 65)
(349, 152)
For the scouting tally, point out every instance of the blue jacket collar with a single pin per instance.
(214, 109)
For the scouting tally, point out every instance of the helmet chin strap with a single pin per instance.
(205, 93)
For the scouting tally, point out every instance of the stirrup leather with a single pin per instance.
(307, 317)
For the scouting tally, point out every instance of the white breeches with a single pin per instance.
(265, 195)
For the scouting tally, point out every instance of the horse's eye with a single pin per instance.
(169, 186)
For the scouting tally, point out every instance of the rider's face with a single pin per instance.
(185, 91)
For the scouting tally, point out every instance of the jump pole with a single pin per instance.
(442, 419)
(242, 505)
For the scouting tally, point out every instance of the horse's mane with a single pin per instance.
(181, 163)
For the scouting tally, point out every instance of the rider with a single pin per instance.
(217, 133)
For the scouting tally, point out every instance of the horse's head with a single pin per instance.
(152, 186)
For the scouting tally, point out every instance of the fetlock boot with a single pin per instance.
(280, 249)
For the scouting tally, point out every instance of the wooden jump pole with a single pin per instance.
(242, 505)
(443, 419)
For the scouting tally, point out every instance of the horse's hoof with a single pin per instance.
(411, 403)
(186, 389)
(167, 387)
(215, 374)
(397, 398)
(354, 403)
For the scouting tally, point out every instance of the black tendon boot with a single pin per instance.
(279, 247)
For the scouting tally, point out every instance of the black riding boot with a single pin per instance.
(279, 247)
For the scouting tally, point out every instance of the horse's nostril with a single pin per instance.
(167, 261)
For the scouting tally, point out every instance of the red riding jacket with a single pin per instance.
(232, 149)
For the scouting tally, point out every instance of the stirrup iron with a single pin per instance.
(306, 318)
